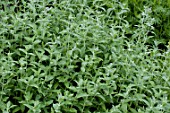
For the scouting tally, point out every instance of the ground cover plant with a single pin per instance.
(75, 56)
(161, 14)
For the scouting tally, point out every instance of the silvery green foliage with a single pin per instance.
(75, 56)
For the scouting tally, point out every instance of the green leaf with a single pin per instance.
(72, 110)
(23, 50)
(48, 102)
(82, 94)
(124, 107)
(16, 109)
(36, 42)
(133, 110)
(28, 96)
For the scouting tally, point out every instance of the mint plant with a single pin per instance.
(80, 56)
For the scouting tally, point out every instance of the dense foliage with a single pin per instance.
(75, 56)
(160, 13)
